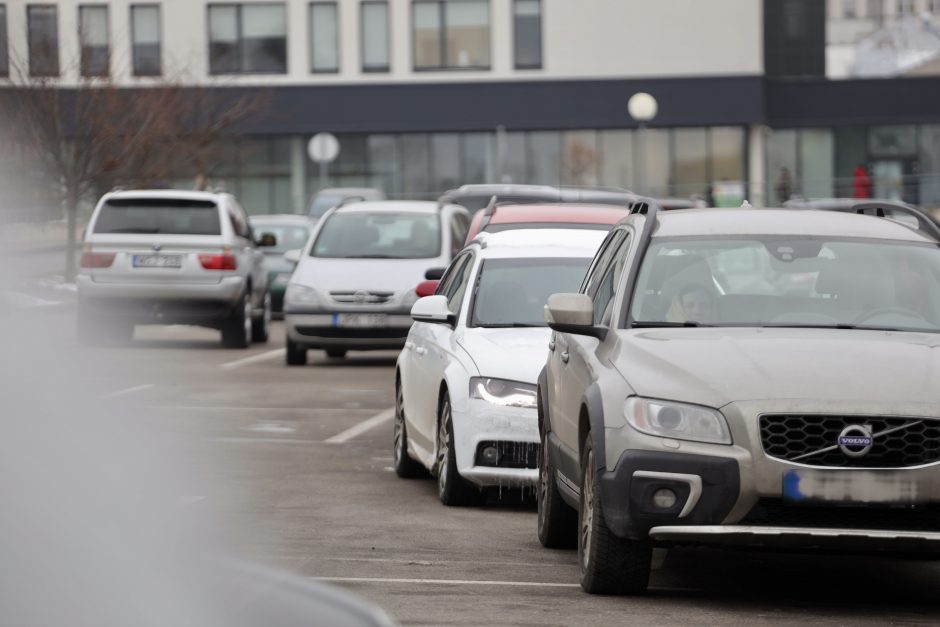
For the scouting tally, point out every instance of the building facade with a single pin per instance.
(427, 94)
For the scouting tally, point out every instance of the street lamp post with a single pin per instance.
(643, 108)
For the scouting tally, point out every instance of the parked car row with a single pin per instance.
(748, 378)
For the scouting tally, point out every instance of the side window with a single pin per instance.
(601, 262)
(458, 288)
(239, 223)
(451, 274)
(609, 278)
(459, 226)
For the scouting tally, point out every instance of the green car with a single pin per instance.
(291, 232)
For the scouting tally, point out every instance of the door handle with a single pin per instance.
(565, 357)
(409, 345)
(551, 344)
(421, 350)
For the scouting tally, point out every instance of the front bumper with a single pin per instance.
(323, 330)
(482, 422)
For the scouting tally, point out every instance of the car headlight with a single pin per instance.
(677, 420)
(298, 294)
(282, 279)
(502, 392)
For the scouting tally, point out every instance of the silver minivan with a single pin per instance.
(172, 257)
(355, 280)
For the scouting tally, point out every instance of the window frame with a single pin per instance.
(339, 47)
(445, 66)
(515, 38)
(57, 69)
(375, 69)
(82, 61)
(240, 37)
(133, 41)
(4, 42)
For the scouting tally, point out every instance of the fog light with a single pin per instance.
(489, 455)
(664, 498)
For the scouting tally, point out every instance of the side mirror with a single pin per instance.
(267, 240)
(435, 274)
(573, 313)
(293, 256)
(432, 309)
(426, 288)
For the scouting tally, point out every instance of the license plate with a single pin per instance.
(358, 321)
(851, 486)
(158, 261)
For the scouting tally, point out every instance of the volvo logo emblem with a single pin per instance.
(157, 247)
(361, 297)
(856, 441)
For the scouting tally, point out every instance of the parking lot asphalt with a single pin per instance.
(292, 468)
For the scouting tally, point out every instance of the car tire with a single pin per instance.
(557, 521)
(607, 564)
(336, 353)
(237, 328)
(452, 489)
(405, 466)
(296, 354)
(261, 326)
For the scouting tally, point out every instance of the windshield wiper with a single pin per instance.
(371, 257)
(138, 229)
(652, 324)
(838, 325)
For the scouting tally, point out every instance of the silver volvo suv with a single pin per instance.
(172, 257)
(759, 378)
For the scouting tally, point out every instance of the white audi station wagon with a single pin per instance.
(465, 383)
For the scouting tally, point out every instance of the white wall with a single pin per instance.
(582, 39)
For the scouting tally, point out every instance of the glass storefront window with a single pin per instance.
(416, 165)
(816, 163)
(544, 157)
(616, 158)
(652, 146)
(690, 174)
(892, 141)
(579, 163)
(477, 152)
(781, 170)
(851, 152)
(929, 180)
(445, 148)
(384, 163)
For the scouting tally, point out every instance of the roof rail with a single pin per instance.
(649, 208)
(883, 209)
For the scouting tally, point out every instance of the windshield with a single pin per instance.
(289, 236)
(789, 281)
(513, 292)
(380, 235)
(143, 215)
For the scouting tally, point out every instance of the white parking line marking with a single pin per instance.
(238, 363)
(450, 582)
(126, 391)
(362, 427)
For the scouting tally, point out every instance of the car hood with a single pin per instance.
(514, 354)
(376, 275)
(719, 366)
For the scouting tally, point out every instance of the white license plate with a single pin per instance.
(158, 261)
(851, 486)
(359, 321)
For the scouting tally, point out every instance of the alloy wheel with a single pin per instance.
(587, 509)
(443, 448)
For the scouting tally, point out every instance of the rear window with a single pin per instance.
(159, 215)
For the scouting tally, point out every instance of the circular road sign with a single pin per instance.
(323, 147)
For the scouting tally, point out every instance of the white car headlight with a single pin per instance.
(298, 294)
(677, 420)
(502, 392)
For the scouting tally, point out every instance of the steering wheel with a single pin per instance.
(868, 315)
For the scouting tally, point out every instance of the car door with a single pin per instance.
(247, 254)
(422, 379)
(575, 353)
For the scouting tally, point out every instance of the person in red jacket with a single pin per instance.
(861, 182)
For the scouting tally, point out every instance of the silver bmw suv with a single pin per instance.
(760, 378)
(172, 257)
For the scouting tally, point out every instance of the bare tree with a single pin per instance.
(97, 134)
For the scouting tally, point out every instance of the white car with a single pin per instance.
(354, 284)
(465, 383)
